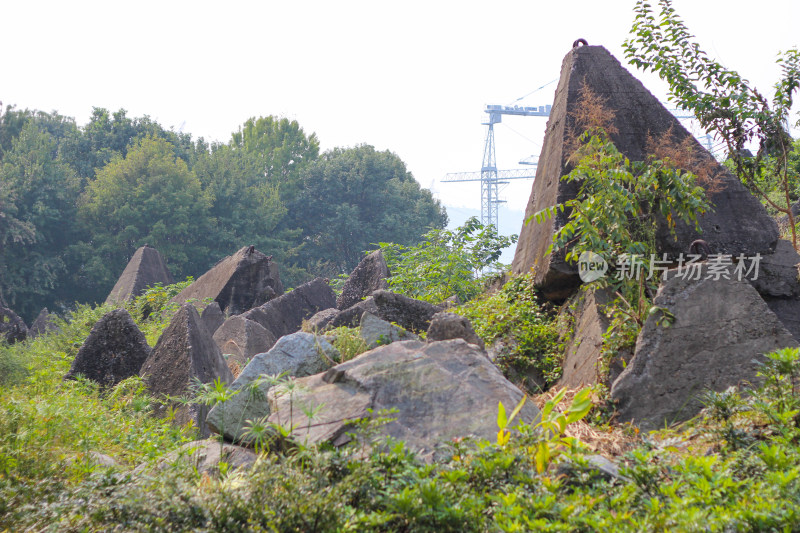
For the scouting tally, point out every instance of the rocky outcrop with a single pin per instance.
(204, 457)
(411, 314)
(238, 283)
(185, 353)
(738, 224)
(445, 326)
(240, 339)
(285, 314)
(377, 332)
(213, 317)
(777, 282)
(12, 327)
(351, 317)
(583, 364)
(114, 350)
(320, 320)
(719, 331)
(369, 276)
(442, 390)
(44, 323)
(145, 269)
(300, 354)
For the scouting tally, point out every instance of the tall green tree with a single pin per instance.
(352, 198)
(40, 193)
(147, 197)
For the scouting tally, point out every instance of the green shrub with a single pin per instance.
(523, 321)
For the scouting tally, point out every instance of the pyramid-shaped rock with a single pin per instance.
(285, 314)
(738, 224)
(44, 323)
(185, 353)
(12, 327)
(114, 350)
(145, 269)
(369, 276)
(238, 283)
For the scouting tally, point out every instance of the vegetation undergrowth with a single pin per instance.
(521, 325)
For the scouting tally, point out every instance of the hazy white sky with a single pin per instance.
(412, 77)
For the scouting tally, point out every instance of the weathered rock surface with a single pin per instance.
(441, 390)
(351, 317)
(445, 326)
(12, 327)
(299, 354)
(369, 276)
(414, 315)
(738, 224)
(320, 320)
(205, 456)
(145, 269)
(241, 339)
(583, 365)
(213, 317)
(777, 282)
(284, 315)
(185, 352)
(44, 323)
(721, 328)
(114, 350)
(238, 283)
(377, 332)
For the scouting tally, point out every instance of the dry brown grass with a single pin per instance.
(590, 113)
(685, 156)
(612, 441)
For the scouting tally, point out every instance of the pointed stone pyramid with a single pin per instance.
(238, 283)
(738, 224)
(145, 269)
(185, 352)
(114, 350)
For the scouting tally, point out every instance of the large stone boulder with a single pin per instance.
(240, 339)
(145, 269)
(204, 457)
(369, 276)
(238, 283)
(184, 354)
(114, 350)
(351, 317)
(213, 317)
(738, 223)
(12, 327)
(583, 364)
(377, 332)
(445, 326)
(777, 282)
(442, 390)
(414, 315)
(720, 329)
(299, 354)
(44, 323)
(285, 314)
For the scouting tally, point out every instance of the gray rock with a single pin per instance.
(777, 273)
(413, 315)
(445, 326)
(441, 390)
(12, 327)
(114, 350)
(377, 332)
(738, 223)
(44, 323)
(299, 354)
(720, 331)
(240, 339)
(320, 320)
(597, 465)
(205, 456)
(213, 317)
(238, 283)
(369, 276)
(285, 315)
(184, 354)
(145, 269)
(583, 364)
(351, 317)
(788, 312)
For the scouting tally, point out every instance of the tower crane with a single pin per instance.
(491, 179)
